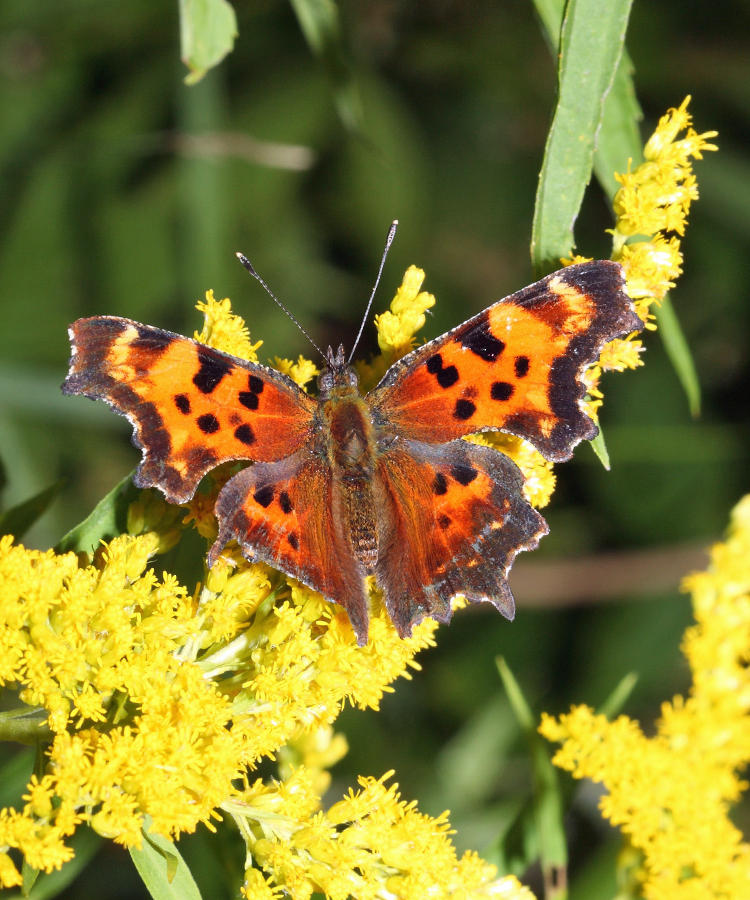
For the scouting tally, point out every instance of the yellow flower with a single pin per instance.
(370, 844)
(671, 793)
(652, 203)
(224, 330)
(300, 372)
(157, 701)
(397, 326)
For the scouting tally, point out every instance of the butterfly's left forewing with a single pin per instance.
(191, 407)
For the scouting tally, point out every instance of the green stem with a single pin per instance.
(24, 726)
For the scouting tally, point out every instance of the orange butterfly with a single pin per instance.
(342, 485)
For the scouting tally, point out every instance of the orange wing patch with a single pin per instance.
(451, 521)
(191, 407)
(515, 367)
(282, 513)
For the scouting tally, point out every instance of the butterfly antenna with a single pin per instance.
(250, 268)
(388, 242)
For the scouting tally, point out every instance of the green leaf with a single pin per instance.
(547, 801)
(207, 32)
(321, 26)
(105, 521)
(550, 13)
(619, 139)
(18, 519)
(617, 699)
(163, 870)
(591, 44)
(600, 449)
(679, 354)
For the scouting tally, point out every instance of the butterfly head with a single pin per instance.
(337, 376)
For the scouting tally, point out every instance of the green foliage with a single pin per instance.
(163, 870)
(589, 49)
(207, 32)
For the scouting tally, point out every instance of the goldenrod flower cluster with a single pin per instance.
(671, 793)
(156, 702)
(364, 846)
(651, 210)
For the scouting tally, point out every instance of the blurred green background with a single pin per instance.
(126, 192)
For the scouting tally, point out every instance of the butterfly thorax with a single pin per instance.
(350, 447)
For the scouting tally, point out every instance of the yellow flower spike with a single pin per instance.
(369, 844)
(301, 372)
(9, 874)
(396, 327)
(671, 793)
(224, 330)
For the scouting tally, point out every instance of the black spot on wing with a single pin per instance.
(264, 496)
(464, 409)
(463, 474)
(153, 340)
(444, 521)
(501, 390)
(212, 370)
(521, 366)
(182, 402)
(446, 377)
(293, 540)
(208, 423)
(482, 342)
(440, 484)
(255, 385)
(248, 399)
(285, 502)
(244, 434)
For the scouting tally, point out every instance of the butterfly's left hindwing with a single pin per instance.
(515, 367)
(191, 407)
(283, 514)
(451, 520)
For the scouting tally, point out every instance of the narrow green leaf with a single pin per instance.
(600, 449)
(619, 138)
(617, 699)
(547, 801)
(207, 32)
(321, 26)
(679, 354)
(107, 519)
(550, 13)
(18, 519)
(163, 870)
(591, 44)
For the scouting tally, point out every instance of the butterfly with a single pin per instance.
(342, 486)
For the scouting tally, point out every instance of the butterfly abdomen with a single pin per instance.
(351, 453)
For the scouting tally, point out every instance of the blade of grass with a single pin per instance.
(591, 44)
(321, 26)
(600, 449)
(679, 354)
(547, 800)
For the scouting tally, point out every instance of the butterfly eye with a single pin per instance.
(325, 382)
